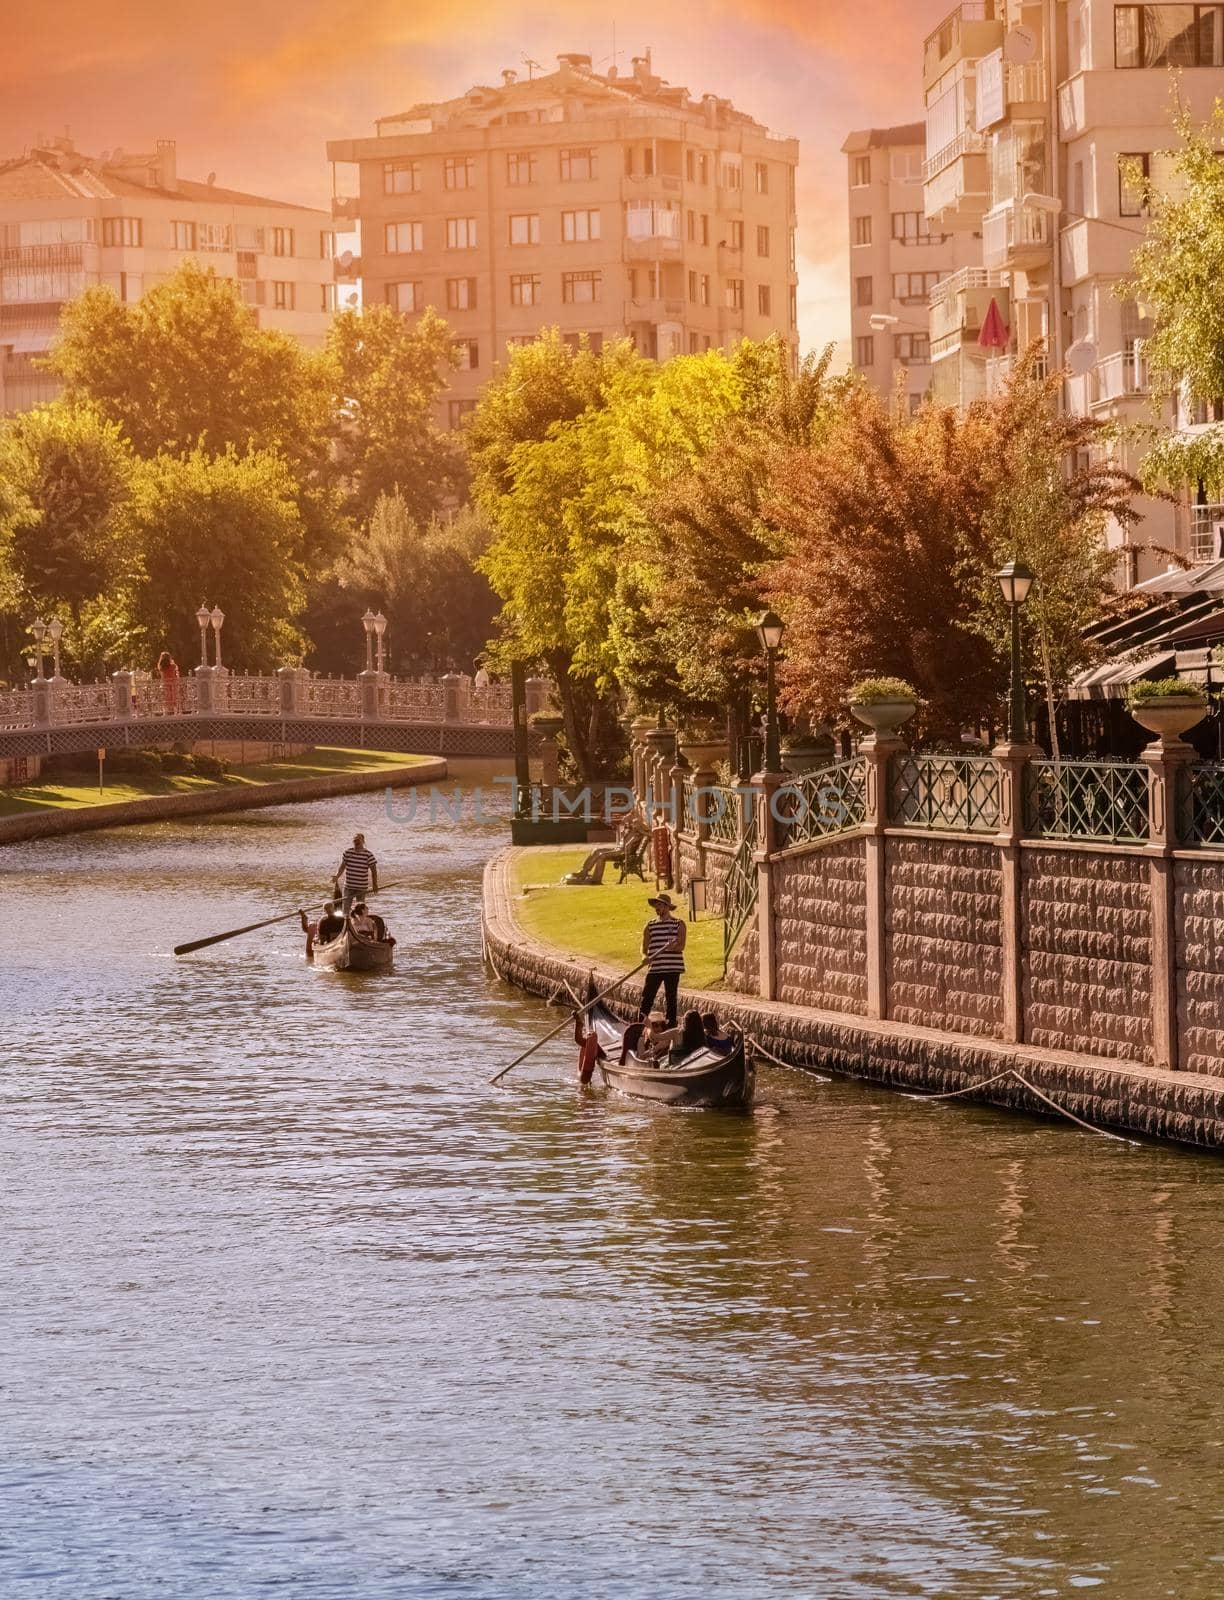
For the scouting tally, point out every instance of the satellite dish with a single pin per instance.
(211, 179)
(1082, 357)
(345, 260)
(1020, 46)
(350, 299)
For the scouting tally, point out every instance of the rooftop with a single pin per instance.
(883, 138)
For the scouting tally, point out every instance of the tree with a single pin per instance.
(226, 529)
(389, 374)
(1179, 274)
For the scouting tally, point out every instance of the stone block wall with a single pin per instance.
(717, 859)
(1198, 887)
(820, 918)
(690, 861)
(943, 950)
(1086, 940)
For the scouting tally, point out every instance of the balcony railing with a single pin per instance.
(1014, 230)
(967, 141)
(944, 39)
(1206, 532)
(1118, 377)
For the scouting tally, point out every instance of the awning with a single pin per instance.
(1109, 681)
(33, 343)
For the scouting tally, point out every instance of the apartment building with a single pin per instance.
(1037, 117)
(601, 204)
(68, 220)
(896, 258)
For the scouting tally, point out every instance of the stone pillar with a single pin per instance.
(370, 681)
(121, 695)
(452, 684)
(204, 689)
(765, 786)
(291, 697)
(1165, 760)
(1012, 761)
(44, 701)
(877, 750)
(221, 687)
(539, 691)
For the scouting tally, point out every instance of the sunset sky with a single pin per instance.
(252, 89)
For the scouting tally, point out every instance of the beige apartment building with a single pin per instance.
(68, 220)
(896, 258)
(1036, 116)
(601, 204)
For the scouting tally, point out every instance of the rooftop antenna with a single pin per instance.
(532, 67)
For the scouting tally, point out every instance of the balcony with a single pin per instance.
(344, 207)
(1016, 237)
(967, 142)
(656, 247)
(1121, 376)
(1206, 532)
(957, 192)
(973, 30)
(347, 267)
(1005, 87)
(959, 304)
(999, 371)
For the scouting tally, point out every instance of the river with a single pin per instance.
(292, 1303)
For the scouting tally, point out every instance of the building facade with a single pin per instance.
(68, 221)
(896, 258)
(598, 204)
(1038, 118)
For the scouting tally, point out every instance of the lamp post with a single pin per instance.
(202, 618)
(380, 627)
(367, 622)
(39, 629)
(1015, 580)
(216, 616)
(55, 632)
(769, 632)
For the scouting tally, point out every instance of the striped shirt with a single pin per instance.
(659, 935)
(358, 865)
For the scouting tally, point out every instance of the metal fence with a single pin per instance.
(725, 811)
(1202, 805)
(956, 793)
(1104, 801)
(740, 888)
(820, 804)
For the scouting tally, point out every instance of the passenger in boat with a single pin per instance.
(366, 925)
(328, 927)
(714, 1036)
(631, 1043)
(590, 1051)
(690, 1036)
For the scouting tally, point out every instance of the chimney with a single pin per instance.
(575, 59)
(167, 165)
(509, 76)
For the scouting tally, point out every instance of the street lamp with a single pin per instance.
(55, 632)
(1015, 580)
(216, 616)
(769, 631)
(367, 622)
(380, 627)
(202, 617)
(39, 629)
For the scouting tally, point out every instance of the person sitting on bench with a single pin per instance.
(631, 836)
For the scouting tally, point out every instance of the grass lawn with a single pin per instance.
(603, 922)
(74, 790)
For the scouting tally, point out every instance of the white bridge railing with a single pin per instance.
(291, 692)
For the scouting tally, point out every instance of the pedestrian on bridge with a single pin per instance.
(359, 870)
(168, 667)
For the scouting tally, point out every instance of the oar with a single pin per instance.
(252, 927)
(586, 1004)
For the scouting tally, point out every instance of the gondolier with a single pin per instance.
(663, 946)
(359, 871)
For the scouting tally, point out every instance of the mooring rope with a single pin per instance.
(758, 1049)
(951, 1094)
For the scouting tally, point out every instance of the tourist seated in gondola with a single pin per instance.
(714, 1035)
(690, 1036)
(329, 926)
(366, 925)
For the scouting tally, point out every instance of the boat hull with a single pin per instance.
(706, 1079)
(349, 954)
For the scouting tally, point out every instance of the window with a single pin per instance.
(912, 347)
(327, 245)
(791, 250)
(733, 294)
(467, 354)
(247, 263)
(794, 306)
(578, 227)
(736, 241)
(521, 167)
(581, 288)
(461, 233)
(705, 229)
(253, 292)
(282, 241)
(862, 230)
(732, 175)
(694, 343)
(406, 297)
(404, 238)
(761, 174)
(282, 296)
(704, 287)
(1169, 36)
(914, 288)
(764, 299)
(690, 165)
(248, 238)
(864, 350)
(692, 287)
(703, 169)
(525, 229)
(122, 231)
(456, 410)
(327, 297)
(762, 241)
(184, 235)
(1134, 173)
(461, 294)
(860, 171)
(401, 177)
(692, 225)
(459, 172)
(863, 292)
(912, 227)
(213, 236)
(525, 289)
(905, 165)
(579, 166)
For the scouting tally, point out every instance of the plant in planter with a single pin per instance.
(703, 743)
(883, 704)
(1166, 707)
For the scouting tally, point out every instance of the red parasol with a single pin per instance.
(995, 334)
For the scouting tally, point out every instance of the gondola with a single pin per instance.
(348, 953)
(709, 1077)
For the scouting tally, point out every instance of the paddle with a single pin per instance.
(586, 1004)
(252, 927)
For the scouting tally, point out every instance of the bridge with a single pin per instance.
(449, 717)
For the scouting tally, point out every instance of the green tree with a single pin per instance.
(226, 529)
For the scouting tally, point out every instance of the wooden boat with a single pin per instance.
(349, 953)
(708, 1077)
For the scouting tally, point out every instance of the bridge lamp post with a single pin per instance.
(770, 628)
(55, 632)
(380, 627)
(367, 622)
(39, 629)
(202, 618)
(217, 617)
(1015, 580)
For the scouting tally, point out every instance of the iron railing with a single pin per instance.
(1201, 805)
(830, 801)
(1105, 801)
(957, 793)
(685, 820)
(739, 889)
(725, 808)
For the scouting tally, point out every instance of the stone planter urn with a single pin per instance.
(1168, 716)
(703, 748)
(884, 716)
(547, 723)
(804, 752)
